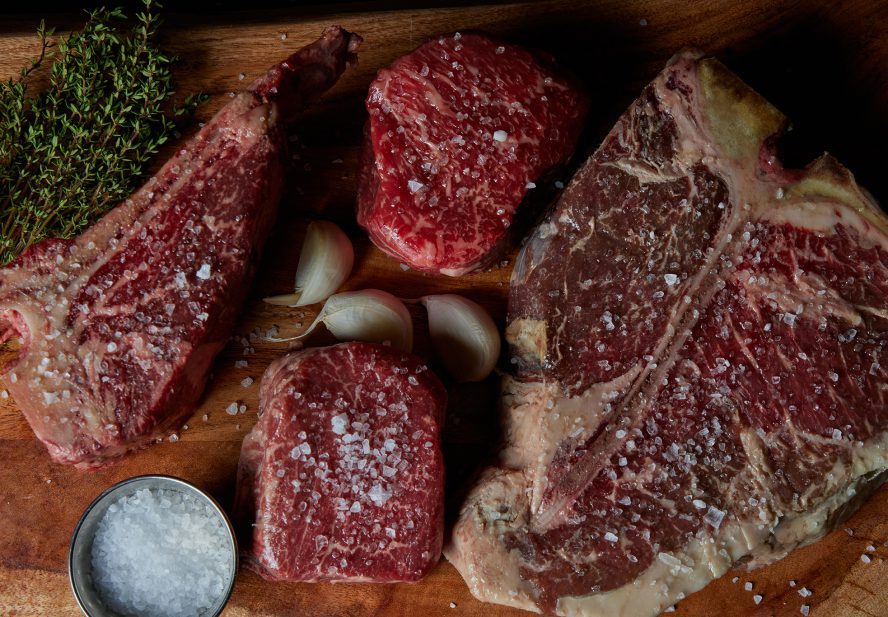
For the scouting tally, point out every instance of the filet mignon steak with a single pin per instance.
(121, 324)
(343, 474)
(698, 338)
(459, 129)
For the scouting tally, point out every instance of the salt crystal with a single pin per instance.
(414, 185)
(241, 364)
(500, 135)
(865, 558)
(247, 382)
(747, 586)
(339, 423)
(714, 517)
(4, 394)
(112, 347)
(453, 605)
(757, 599)
(805, 610)
(530, 185)
(379, 495)
(804, 592)
(204, 272)
(231, 409)
(671, 279)
(610, 537)
(159, 539)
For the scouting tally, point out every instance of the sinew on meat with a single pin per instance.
(121, 324)
(459, 131)
(342, 478)
(699, 338)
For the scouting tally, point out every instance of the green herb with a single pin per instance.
(74, 150)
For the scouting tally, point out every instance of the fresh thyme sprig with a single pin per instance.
(71, 152)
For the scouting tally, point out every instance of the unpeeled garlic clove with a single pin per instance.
(464, 336)
(369, 315)
(325, 262)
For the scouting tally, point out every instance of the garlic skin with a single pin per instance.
(464, 336)
(325, 261)
(369, 315)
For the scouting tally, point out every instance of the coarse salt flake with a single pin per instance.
(204, 272)
(339, 423)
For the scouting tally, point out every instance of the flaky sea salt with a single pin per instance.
(161, 553)
(205, 272)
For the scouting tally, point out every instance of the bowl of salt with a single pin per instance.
(153, 546)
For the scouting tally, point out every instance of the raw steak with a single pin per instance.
(121, 324)
(699, 340)
(458, 130)
(343, 474)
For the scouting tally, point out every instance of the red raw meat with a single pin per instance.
(121, 324)
(458, 129)
(343, 474)
(701, 348)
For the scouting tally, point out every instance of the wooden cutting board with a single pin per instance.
(823, 64)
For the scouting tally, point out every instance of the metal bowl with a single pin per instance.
(79, 568)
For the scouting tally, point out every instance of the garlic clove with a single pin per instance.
(464, 336)
(369, 315)
(325, 262)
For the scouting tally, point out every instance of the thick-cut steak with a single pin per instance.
(699, 340)
(121, 324)
(458, 130)
(343, 475)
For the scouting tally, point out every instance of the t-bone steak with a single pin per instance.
(121, 324)
(459, 130)
(699, 341)
(343, 474)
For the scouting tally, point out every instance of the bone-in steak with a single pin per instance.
(699, 340)
(459, 129)
(121, 324)
(343, 474)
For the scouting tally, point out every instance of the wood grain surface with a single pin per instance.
(823, 63)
